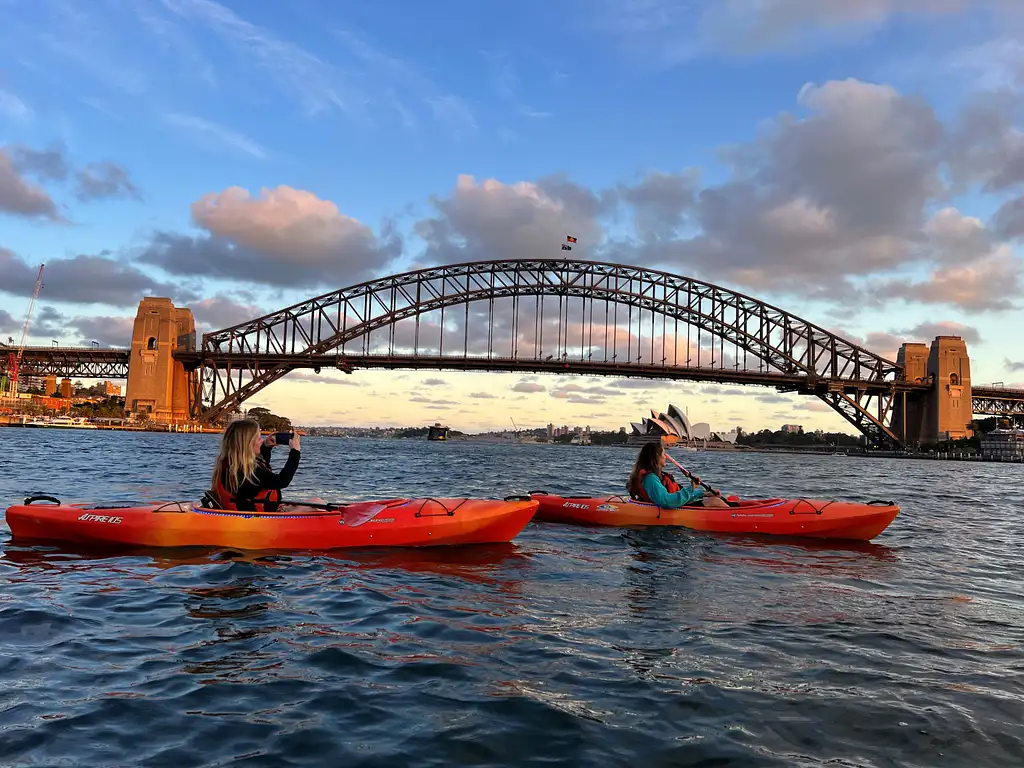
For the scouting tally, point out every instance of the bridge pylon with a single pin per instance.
(157, 383)
(943, 412)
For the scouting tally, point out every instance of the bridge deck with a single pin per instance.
(91, 362)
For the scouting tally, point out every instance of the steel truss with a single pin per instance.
(73, 362)
(997, 401)
(787, 352)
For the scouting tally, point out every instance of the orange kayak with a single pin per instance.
(782, 517)
(389, 523)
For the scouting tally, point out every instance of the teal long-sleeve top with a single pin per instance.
(656, 492)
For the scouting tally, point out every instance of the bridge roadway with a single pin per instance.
(112, 363)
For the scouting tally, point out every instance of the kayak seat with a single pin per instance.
(209, 501)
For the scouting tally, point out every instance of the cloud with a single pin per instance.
(929, 330)
(107, 331)
(216, 312)
(434, 382)
(285, 237)
(815, 201)
(492, 220)
(662, 203)
(48, 164)
(93, 181)
(431, 401)
(322, 378)
(990, 284)
(22, 198)
(815, 406)
(12, 107)
(571, 392)
(86, 279)
(737, 27)
(482, 396)
(216, 137)
(667, 32)
(507, 86)
(527, 386)
(645, 384)
(97, 181)
(405, 85)
(1013, 366)
(48, 322)
(8, 324)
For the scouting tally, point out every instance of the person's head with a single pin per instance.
(239, 447)
(650, 459)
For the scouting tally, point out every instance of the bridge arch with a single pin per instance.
(792, 354)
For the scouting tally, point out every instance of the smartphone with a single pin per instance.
(282, 438)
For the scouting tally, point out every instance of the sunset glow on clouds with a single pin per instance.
(841, 161)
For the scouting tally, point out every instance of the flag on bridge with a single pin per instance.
(566, 247)
(570, 238)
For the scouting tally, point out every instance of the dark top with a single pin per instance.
(266, 478)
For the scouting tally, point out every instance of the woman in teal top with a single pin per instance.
(649, 482)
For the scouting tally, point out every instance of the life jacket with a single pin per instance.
(266, 499)
(666, 479)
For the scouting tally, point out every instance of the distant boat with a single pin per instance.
(62, 422)
(687, 448)
(437, 432)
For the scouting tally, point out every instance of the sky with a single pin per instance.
(859, 164)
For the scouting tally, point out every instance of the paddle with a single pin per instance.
(690, 475)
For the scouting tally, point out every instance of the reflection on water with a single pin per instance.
(580, 646)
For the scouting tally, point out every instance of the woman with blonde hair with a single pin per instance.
(649, 482)
(242, 477)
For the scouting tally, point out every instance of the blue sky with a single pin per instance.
(857, 164)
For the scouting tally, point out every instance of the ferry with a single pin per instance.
(437, 432)
(62, 422)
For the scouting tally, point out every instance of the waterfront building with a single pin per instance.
(1003, 445)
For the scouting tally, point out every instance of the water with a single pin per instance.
(570, 646)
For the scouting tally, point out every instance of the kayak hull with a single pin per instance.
(389, 523)
(814, 518)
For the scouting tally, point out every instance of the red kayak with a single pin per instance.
(389, 523)
(782, 517)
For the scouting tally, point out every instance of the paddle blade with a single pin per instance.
(356, 517)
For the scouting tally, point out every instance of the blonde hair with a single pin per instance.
(236, 458)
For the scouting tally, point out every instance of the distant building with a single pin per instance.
(701, 431)
(792, 428)
(111, 389)
(1003, 445)
(669, 427)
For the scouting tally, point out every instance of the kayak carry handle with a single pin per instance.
(518, 497)
(42, 497)
(545, 493)
(879, 502)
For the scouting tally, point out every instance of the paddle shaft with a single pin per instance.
(689, 474)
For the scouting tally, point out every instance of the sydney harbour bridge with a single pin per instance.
(557, 316)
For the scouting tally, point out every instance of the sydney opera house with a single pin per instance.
(672, 427)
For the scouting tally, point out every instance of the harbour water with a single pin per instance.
(570, 646)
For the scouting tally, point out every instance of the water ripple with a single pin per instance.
(570, 646)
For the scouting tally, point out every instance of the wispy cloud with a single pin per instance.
(318, 85)
(668, 32)
(158, 55)
(507, 86)
(211, 130)
(404, 83)
(453, 112)
(12, 107)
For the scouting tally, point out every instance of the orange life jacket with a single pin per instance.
(266, 499)
(666, 479)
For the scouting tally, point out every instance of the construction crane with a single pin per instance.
(14, 358)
